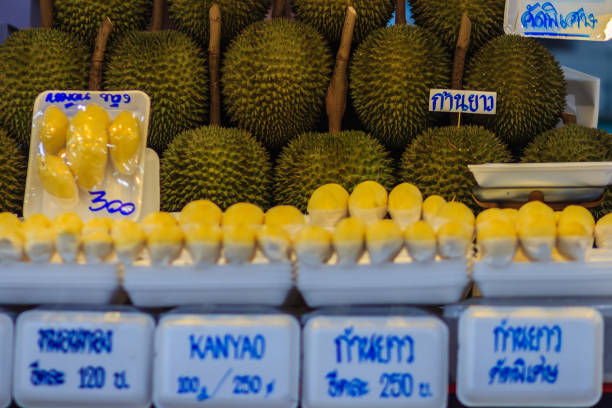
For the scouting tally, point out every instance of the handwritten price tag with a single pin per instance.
(456, 101)
(530, 356)
(86, 359)
(227, 360)
(375, 361)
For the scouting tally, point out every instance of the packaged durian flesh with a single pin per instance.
(368, 202)
(328, 204)
(313, 245)
(87, 155)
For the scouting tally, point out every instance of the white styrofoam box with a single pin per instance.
(530, 356)
(365, 361)
(6, 359)
(585, 90)
(226, 361)
(253, 283)
(83, 359)
(392, 283)
(28, 283)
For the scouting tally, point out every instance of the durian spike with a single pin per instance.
(157, 19)
(97, 59)
(214, 51)
(463, 43)
(400, 12)
(46, 13)
(338, 86)
(278, 8)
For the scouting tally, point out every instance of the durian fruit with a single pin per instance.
(497, 240)
(53, 130)
(171, 69)
(124, 142)
(200, 212)
(454, 211)
(36, 221)
(368, 202)
(437, 160)
(239, 170)
(421, 242)
(286, 217)
(603, 232)
(39, 238)
(68, 227)
(243, 214)
(82, 18)
(431, 206)
(275, 242)
(203, 242)
(328, 16)
(454, 240)
(529, 83)
(11, 238)
(328, 204)
(13, 168)
(96, 224)
(313, 245)
(537, 230)
(535, 209)
(313, 159)
(274, 79)
(97, 240)
(239, 243)
(158, 219)
(191, 17)
(129, 239)
(164, 237)
(443, 17)
(575, 230)
(384, 240)
(405, 204)
(348, 239)
(391, 74)
(35, 60)
(56, 178)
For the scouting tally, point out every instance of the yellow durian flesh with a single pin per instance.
(203, 242)
(9, 220)
(200, 212)
(244, 214)
(97, 246)
(11, 238)
(158, 219)
(124, 142)
(68, 227)
(576, 213)
(129, 240)
(348, 240)
(165, 243)
(603, 232)
(98, 224)
(39, 241)
(56, 177)
(457, 212)
(535, 209)
(327, 205)
(275, 243)
(239, 243)
(405, 204)
(497, 241)
(421, 241)
(287, 217)
(431, 206)
(384, 240)
(454, 240)
(36, 221)
(574, 239)
(53, 130)
(313, 245)
(537, 234)
(368, 202)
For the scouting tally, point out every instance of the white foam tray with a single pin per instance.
(401, 282)
(29, 283)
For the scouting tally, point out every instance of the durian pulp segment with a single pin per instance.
(497, 240)
(454, 240)
(243, 213)
(287, 217)
(39, 242)
(368, 202)
(574, 238)
(9, 220)
(165, 243)
(158, 219)
(577, 213)
(239, 243)
(129, 240)
(348, 239)
(68, 227)
(405, 204)
(98, 224)
(535, 209)
(328, 204)
(97, 246)
(384, 240)
(313, 245)
(431, 206)
(457, 212)
(275, 243)
(11, 241)
(603, 232)
(200, 212)
(36, 221)
(537, 234)
(124, 142)
(53, 130)
(421, 241)
(57, 178)
(203, 241)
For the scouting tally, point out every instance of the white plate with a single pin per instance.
(587, 174)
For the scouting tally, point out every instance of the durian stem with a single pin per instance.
(95, 75)
(400, 12)
(338, 86)
(158, 15)
(278, 8)
(463, 43)
(46, 13)
(214, 51)
(568, 118)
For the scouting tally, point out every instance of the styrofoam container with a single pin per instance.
(6, 359)
(226, 361)
(530, 356)
(585, 90)
(83, 359)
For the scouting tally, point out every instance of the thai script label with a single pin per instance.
(375, 361)
(457, 101)
(71, 98)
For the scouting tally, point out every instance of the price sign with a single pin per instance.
(375, 361)
(6, 359)
(227, 360)
(530, 356)
(85, 359)
(459, 101)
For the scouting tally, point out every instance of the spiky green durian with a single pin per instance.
(35, 60)
(13, 166)
(573, 143)
(437, 160)
(191, 17)
(328, 16)
(275, 77)
(530, 88)
(313, 159)
(391, 75)
(172, 70)
(223, 165)
(443, 17)
(82, 18)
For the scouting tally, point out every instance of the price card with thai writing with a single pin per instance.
(375, 361)
(6, 359)
(589, 20)
(530, 356)
(85, 359)
(460, 101)
(227, 361)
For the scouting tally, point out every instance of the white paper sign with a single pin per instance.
(227, 361)
(459, 101)
(375, 361)
(85, 359)
(530, 356)
(6, 359)
(560, 19)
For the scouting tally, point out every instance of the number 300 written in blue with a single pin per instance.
(110, 206)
